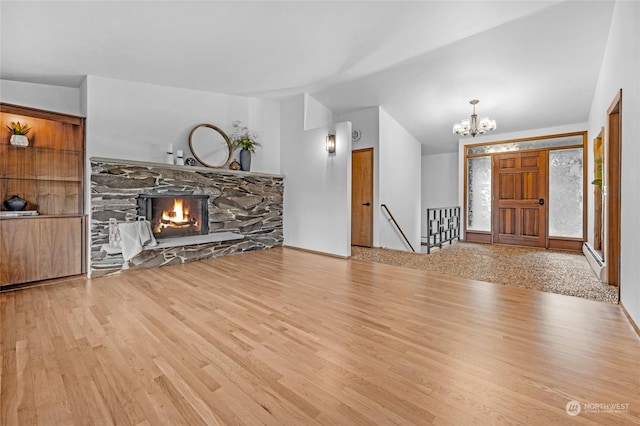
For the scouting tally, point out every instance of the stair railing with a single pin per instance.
(397, 226)
(443, 224)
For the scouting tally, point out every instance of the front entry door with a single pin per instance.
(362, 197)
(520, 198)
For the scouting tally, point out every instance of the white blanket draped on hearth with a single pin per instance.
(134, 236)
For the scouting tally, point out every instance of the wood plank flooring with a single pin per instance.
(284, 337)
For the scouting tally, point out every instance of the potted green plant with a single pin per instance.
(247, 142)
(598, 172)
(19, 133)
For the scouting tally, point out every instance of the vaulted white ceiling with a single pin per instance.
(532, 64)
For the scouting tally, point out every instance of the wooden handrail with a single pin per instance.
(397, 226)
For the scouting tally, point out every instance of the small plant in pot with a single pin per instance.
(247, 142)
(19, 133)
(598, 173)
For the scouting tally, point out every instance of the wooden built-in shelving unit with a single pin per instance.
(49, 174)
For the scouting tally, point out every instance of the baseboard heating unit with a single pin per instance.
(596, 262)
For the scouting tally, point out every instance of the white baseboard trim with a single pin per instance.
(316, 252)
(598, 266)
(631, 321)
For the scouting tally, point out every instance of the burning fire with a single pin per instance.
(179, 217)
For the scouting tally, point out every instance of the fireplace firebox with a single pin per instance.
(173, 216)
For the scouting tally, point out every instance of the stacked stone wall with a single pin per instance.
(248, 203)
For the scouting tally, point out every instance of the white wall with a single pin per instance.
(397, 176)
(42, 96)
(621, 70)
(316, 114)
(439, 184)
(317, 202)
(368, 122)
(400, 183)
(137, 121)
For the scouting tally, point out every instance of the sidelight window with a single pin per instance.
(565, 192)
(479, 194)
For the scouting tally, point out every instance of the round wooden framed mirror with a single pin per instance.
(210, 145)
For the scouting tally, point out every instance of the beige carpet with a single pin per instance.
(537, 269)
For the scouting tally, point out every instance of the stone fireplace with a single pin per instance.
(175, 215)
(221, 212)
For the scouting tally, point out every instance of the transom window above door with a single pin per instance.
(547, 142)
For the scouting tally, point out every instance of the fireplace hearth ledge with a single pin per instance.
(182, 241)
(194, 240)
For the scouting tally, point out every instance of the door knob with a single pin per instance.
(541, 201)
(366, 204)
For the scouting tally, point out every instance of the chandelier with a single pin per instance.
(473, 127)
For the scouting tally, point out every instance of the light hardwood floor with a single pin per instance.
(283, 336)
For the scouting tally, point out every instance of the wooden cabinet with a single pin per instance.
(39, 248)
(49, 174)
(18, 251)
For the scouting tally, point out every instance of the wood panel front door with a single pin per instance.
(362, 197)
(520, 198)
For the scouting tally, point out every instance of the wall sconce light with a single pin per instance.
(331, 144)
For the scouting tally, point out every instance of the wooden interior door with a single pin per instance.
(362, 197)
(520, 198)
(613, 191)
(598, 216)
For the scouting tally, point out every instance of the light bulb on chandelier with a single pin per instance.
(474, 127)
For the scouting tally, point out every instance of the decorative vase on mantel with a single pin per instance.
(245, 160)
(246, 141)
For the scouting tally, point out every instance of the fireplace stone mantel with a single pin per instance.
(221, 171)
(246, 205)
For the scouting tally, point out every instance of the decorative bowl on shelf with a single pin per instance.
(15, 203)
